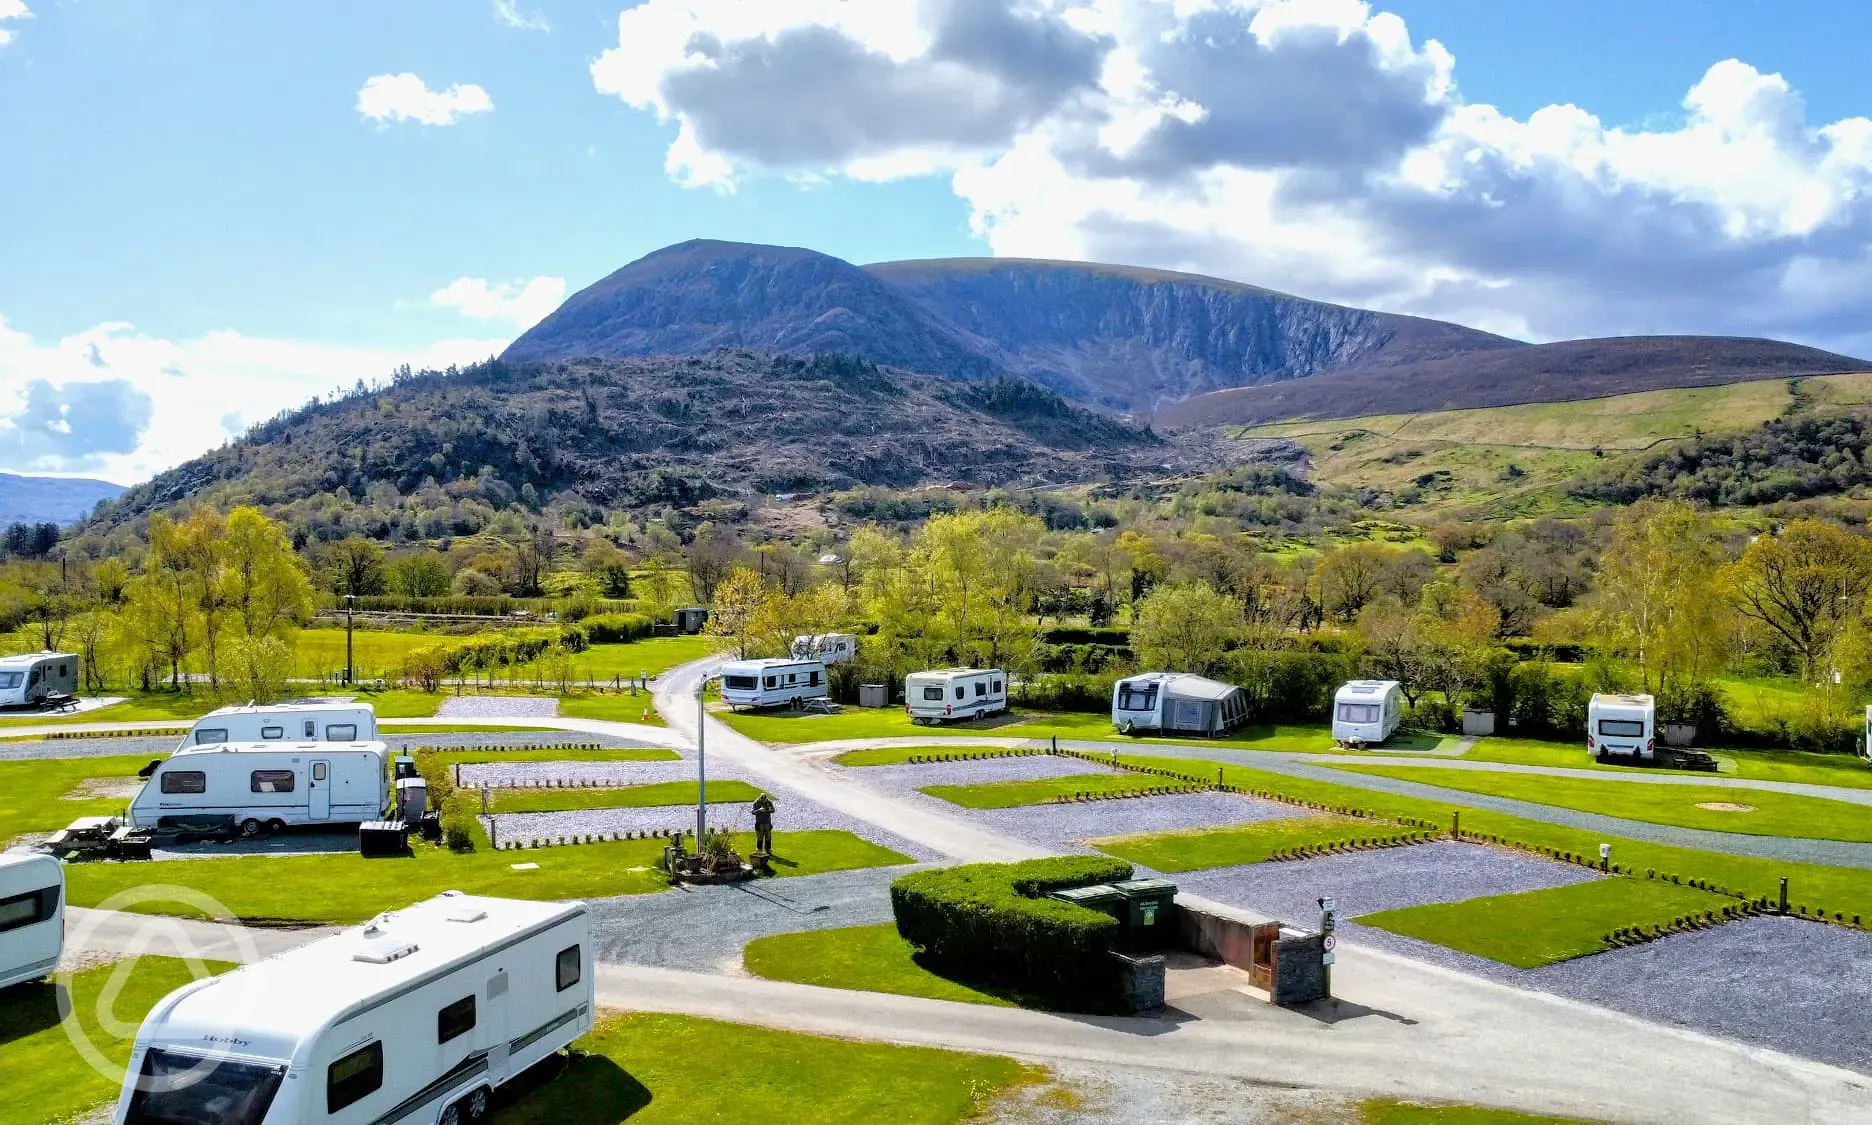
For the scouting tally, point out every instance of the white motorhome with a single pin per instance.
(265, 786)
(1366, 712)
(1623, 726)
(1177, 702)
(308, 720)
(416, 1017)
(826, 648)
(955, 693)
(27, 680)
(32, 916)
(772, 681)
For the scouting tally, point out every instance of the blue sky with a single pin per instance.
(201, 170)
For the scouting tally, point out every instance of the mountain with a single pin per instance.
(51, 499)
(1127, 339)
(654, 432)
(1561, 372)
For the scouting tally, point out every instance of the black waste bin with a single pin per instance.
(1146, 915)
(1100, 897)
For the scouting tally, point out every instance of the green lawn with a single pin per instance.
(1836, 890)
(898, 755)
(375, 653)
(45, 1078)
(623, 797)
(1757, 765)
(393, 727)
(649, 1070)
(639, 708)
(1387, 1111)
(1242, 843)
(652, 656)
(891, 722)
(864, 958)
(558, 754)
(138, 707)
(36, 795)
(1007, 794)
(1773, 814)
(1537, 928)
(346, 887)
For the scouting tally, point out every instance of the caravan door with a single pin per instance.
(320, 790)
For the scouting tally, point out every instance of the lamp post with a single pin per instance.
(350, 602)
(701, 765)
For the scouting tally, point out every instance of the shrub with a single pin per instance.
(616, 628)
(454, 806)
(988, 922)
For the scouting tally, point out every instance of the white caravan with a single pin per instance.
(1865, 750)
(955, 693)
(1366, 712)
(772, 681)
(1177, 703)
(826, 648)
(1622, 726)
(27, 680)
(305, 721)
(416, 1017)
(32, 916)
(266, 786)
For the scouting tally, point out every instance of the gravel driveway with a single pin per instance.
(1066, 826)
(498, 707)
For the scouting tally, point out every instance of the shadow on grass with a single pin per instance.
(572, 1089)
(27, 1009)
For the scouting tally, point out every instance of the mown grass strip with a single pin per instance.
(863, 958)
(1389, 1111)
(622, 797)
(1256, 842)
(1033, 791)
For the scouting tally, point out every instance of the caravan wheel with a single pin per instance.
(251, 829)
(275, 826)
(475, 1105)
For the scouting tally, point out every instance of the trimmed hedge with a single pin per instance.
(457, 814)
(616, 628)
(987, 922)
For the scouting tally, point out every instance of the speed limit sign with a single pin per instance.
(1329, 942)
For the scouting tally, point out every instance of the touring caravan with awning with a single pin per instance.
(261, 787)
(1366, 712)
(1621, 726)
(32, 916)
(417, 1016)
(29, 680)
(1177, 703)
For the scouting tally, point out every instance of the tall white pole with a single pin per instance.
(701, 764)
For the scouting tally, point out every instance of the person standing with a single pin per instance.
(763, 824)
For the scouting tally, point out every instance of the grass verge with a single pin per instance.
(862, 958)
(1839, 770)
(40, 795)
(886, 722)
(622, 797)
(1244, 843)
(639, 708)
(1007, 794)
(644, 1069)
(1535, 928)
(1755, 812)
(1388, 1111)
(557, 754)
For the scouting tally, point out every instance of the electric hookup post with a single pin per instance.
(1329, 920)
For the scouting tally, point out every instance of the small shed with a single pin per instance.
(690, 619)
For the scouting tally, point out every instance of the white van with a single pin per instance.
(265, 786)
(27, 680)
(1621, 726)
(772, 682)
(1366, 712)
(955, 693)
(826, 648)
(307, 720)
(416, 1017)
(32, 916)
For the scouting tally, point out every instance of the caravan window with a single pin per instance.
(1358, 712)
(455, 1020)
(1621, 728)
(341, 732)
(270, 781)
(997, 685)
(272, 733)
(567, 968)
(28, 909)
(1137, 697)
(981, 688)
(772, 681)
(177, 1087)
(356, 1076)
(960, 691)
(933, 694)
(311, 729)
(184, 781)
(208, 736)
(812, 678)
(10, 680)
(740, 683)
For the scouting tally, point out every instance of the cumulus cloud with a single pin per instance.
(510, 14)
(387, 98)
(522, 305)
(11, 10)
(1314, 146)
(122, 405)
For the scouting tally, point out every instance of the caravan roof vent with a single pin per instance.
(467, 914)
(385, 951)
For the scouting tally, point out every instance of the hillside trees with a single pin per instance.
(1186, 628)
(419, 573)
(1659, 602)
(1805, 585)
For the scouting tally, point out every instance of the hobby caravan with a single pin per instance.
(955, 693)
(32, 916)
(1623, 726)
(772, 682)
(1366, 712)
(416, 1017)
(1177, 703)
(305, 721)
(27, 681)
(261, 787)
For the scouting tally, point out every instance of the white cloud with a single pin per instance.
(406, 97)
(1307, 145)
(139, 407)
(522, 305)
(511, 15)
(12, 10)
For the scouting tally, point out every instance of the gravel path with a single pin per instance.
(909, 779)
(498, 707)
(603, 773)
(1065, 826)
(465, 740)
(87, 748)
(287, 843)
(705, 927)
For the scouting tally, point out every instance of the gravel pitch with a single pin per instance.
(498, 707)
(86, 748)
(508, 774)
(1066, 826)
(1381, 879)
(909, 779)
